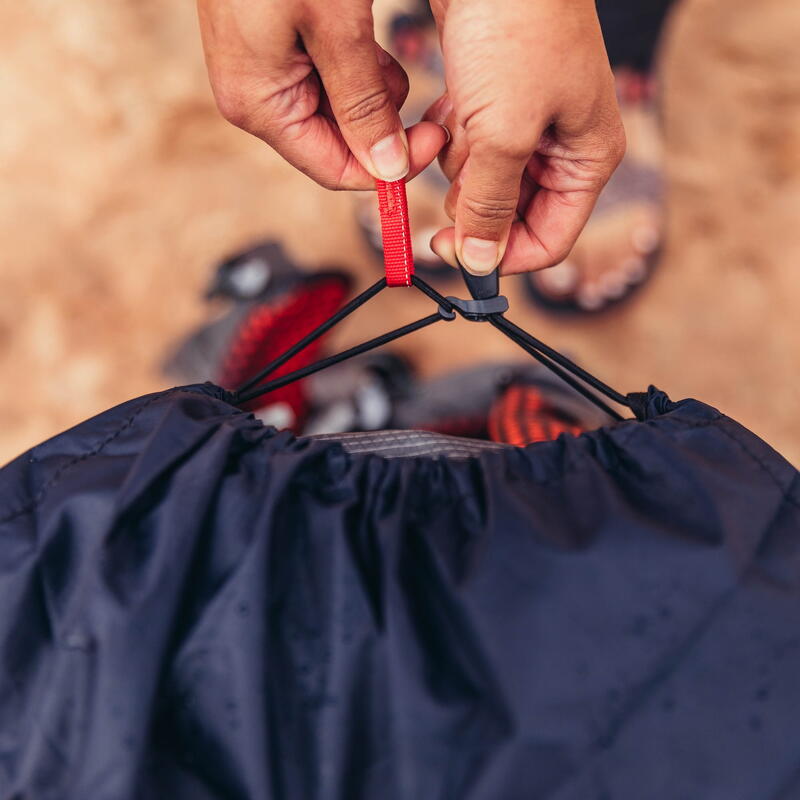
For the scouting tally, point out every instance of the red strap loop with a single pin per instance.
(398, 259)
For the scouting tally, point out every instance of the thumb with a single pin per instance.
(362, 102)
(487, 205)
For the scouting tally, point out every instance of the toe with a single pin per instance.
(634, 269)
(559, 280)
(590, 297)
(612, 285)
(645, 239)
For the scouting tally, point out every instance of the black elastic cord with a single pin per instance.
(556, 362)
(542, 353)
(343, 312)
(509, 327)
(378, 341)
(427, 289)
(497, 320)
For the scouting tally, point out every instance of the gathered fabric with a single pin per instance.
(193, 605)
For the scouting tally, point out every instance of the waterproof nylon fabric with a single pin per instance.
(195, 606)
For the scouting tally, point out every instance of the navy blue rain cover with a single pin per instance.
(195, 606)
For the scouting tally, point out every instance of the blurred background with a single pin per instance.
(123, 188)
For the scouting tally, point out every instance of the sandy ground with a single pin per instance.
(121, 184)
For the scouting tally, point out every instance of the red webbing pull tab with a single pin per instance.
(398, 260)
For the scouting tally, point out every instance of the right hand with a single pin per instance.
(309, 79)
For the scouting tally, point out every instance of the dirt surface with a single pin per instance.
(121, 185)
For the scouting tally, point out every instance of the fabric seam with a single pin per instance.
(39, 496)
(786, 491)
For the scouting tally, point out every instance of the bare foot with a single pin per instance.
(612, 255)
(619, 245)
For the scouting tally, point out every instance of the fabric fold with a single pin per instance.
(193, 605)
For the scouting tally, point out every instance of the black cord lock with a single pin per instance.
(475, 310)
(486, 299)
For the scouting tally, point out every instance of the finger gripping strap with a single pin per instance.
(398, 259)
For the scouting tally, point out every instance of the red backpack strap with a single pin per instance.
(397, 256)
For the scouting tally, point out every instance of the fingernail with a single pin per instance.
(390, 158)
(446, 133)
(479, 255)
